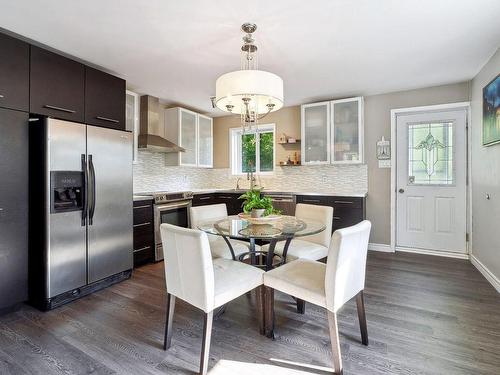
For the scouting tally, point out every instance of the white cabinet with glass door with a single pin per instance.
(205, 141)
(187, 137)
(332, 132)
(315, 130)
(193, 132)
(347, 131)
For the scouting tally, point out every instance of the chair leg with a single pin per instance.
(301, 306)
(360, 302)
(169, 319)
(205, 346)
(260, 297)
(269, 312)
(334, 338)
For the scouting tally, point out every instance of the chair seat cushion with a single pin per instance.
(219, 248)
(301, 278)
(232, 279)
(300, 249)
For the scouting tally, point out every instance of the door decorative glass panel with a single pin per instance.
(430, 157)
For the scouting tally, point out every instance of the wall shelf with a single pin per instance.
(297, 141)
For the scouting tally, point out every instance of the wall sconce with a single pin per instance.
(384, 153)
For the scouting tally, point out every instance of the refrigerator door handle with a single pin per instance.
(92, 184)
(85, 189)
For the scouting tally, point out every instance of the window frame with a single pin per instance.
(235, 152)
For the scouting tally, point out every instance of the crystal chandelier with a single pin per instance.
(249, 92)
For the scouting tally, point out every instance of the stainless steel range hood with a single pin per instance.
(151, 131)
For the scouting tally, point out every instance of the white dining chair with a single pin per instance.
(328, 285)
(205, 283)
(313, 247)
(218, 246)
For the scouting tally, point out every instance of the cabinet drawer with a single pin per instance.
(314, 199)
(204, 199)
(231, 201)
(143, 236)
(57, 85)
(346, 202)
(346, 217)
(14, 73)
(143, 202)
(143, 255)
(143, 214)
(104, 99)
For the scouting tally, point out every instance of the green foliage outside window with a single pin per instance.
(266, 154)
(248, 153)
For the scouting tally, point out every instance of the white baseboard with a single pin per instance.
(380, 247)
(493, 280)
(433, 252)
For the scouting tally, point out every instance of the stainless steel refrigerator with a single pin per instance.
(80, 210)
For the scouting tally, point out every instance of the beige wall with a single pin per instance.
(377, 124)
(287, 121)
(485, 178)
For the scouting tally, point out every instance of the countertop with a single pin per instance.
(142, 196)
(138, 197)
(333, 194)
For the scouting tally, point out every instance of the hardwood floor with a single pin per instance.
(426, 315)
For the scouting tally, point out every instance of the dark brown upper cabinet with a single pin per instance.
(57, 86)
(104, 99)
(14, 73)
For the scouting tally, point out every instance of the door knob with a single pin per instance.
(401, 191)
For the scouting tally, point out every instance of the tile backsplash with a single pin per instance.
(151, 174)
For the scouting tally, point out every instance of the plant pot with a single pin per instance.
(257, 212)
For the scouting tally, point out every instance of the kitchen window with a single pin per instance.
(253, 151)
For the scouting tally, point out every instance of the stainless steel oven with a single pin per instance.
(170, 208)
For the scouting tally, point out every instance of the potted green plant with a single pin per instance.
(257, 205)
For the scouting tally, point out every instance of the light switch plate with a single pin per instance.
(384, 163)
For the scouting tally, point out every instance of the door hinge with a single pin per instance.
(466, 237)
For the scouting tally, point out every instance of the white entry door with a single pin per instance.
(431, 181)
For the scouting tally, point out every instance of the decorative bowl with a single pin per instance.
(259, 220)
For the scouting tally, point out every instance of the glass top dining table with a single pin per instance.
(285, 228)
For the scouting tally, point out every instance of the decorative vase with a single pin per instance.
(257, 212)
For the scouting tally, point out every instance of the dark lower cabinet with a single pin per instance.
(13, 207)
(14, 73)
(57, 86)
(143, 232)
(233, 204)
(347, 211)
(231, 201)
(204, 199)
(104, 99)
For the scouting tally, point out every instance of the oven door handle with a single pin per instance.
(169, 206)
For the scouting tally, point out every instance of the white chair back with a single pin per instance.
(189, 271)
(346, 264)
(323, 214)
(211, 212)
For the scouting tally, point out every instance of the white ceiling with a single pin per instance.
(176, 49)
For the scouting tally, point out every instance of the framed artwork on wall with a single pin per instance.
(491, 112)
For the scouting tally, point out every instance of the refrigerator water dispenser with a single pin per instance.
(67, 191)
